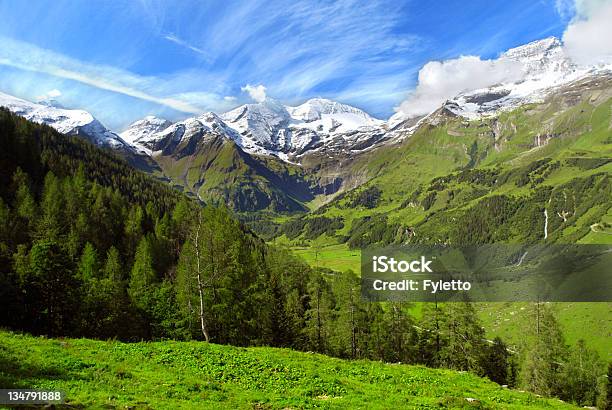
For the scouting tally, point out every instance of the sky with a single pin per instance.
(122, 60)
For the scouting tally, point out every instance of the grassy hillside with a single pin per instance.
(176, 375)
(438, 185)
(218, 171)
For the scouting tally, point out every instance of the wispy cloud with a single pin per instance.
(565, 8)
(193, 56)
(29, 57)
(174, 39)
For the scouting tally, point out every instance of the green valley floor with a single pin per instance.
(173, 375)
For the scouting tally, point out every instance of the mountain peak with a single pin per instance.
(534, 48)
(315, 108)
(71, 122)
(144, 127)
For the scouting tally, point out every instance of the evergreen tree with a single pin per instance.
(319, 316)
(495, 362)
(52, 291)
(112, 267)
(544, 355)
(50, 224)
(88, 267)
(432, 341)
(349, 314)
(604, 399)
(24, 201)
(401, 343)
(581, 373)
(142, 276)
(133, 229)
(190, 292)
(465, 338)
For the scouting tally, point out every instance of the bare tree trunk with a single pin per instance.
(353, 335)
(200, 284)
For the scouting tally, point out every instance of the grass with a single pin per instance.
(175, 375)
(337, 257)
(589, 321)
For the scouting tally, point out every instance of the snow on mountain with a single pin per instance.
(262, 125)
(267, 128)
(270, 127)
(142, 128)
(331, 117)
(154, 135)
(545, 66)
(71, 122)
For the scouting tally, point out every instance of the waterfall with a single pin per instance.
(545, 223)
(521, 259)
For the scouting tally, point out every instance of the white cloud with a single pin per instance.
(257, 92)
(229, 98)
(587, 38)
(439, 81)
(26, 56)
(51, 94)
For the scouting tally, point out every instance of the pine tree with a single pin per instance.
(133, 229)
(580, 374)
(142, 276)
(88, 267)
(112, 267)
(24, 201)
(52, 289)
(432, 339)
(52, 205)
(542, 365)
(401, 343)
(604, 400)
(349, 314)
(190, 296)
(319, 316)
(465, 338)
(495, 363)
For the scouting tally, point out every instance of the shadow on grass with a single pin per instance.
(16, 373)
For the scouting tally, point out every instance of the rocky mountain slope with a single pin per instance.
(271, 128)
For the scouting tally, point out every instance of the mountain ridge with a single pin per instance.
(330, 147)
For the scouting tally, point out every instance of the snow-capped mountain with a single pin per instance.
(318, 126)
(546, 67)
(143, 128)
(268, 128)
(272, 128)
(71, 122)
(153, 135)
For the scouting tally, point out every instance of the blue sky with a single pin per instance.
(124, 60)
